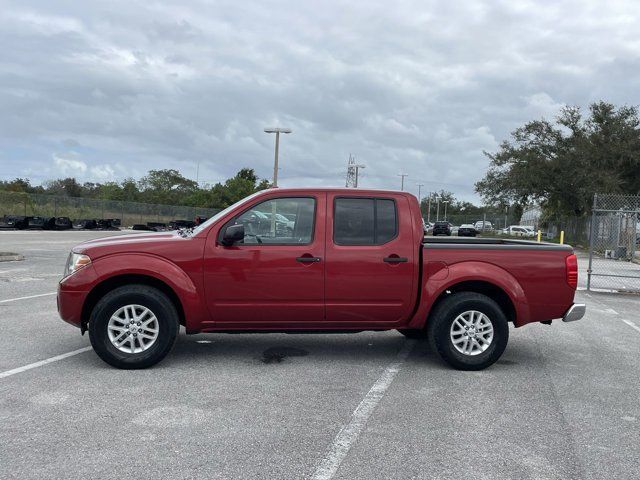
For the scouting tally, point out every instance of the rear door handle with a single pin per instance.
(395, 259)
(308, 259)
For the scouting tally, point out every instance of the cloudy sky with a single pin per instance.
(107, 90)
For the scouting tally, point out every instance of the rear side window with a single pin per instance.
(364, 221)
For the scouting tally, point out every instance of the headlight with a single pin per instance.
(75, 262)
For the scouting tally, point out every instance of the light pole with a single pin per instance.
(445, 209)
(437, 208)
(420, 185)
(402, 175)
(277, 131)
(429, 208)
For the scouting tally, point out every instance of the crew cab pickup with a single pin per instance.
(314, 260)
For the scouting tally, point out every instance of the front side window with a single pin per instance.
(364, 221)
(281, 221)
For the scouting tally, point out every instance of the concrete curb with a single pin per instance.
(10, 257)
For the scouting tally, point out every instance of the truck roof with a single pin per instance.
(352, 191)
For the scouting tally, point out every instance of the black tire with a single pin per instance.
(446, 312)
(413, 333)
(149, 297)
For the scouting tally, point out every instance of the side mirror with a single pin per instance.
(233, 234)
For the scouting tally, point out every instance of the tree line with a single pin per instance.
(166, 186)
(560, 164)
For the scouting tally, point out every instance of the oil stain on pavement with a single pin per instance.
(278, 354)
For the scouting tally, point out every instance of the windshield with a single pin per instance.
(222, 213)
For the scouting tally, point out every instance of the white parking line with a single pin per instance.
(27, 298)
(613, 312)
(350, 432)
(631, 324)
(8, 373)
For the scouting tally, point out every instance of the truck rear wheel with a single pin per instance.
(133, 326)
(468, 330)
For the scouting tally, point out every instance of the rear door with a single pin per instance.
(371, 263)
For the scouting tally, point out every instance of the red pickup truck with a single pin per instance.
(314, 260)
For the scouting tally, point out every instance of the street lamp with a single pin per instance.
(402, 175)
(277, 131)
(445, 209)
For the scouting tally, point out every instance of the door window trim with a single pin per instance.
(235, 217)
(375, 220)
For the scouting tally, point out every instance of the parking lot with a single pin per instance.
(561, 403)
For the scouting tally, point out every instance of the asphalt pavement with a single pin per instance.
(562, 403)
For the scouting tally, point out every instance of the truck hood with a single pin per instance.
(134, 242)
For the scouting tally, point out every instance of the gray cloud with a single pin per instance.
(419, 87)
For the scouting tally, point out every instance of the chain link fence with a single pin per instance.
(613, 249)
(129, 213)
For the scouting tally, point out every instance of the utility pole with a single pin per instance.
(429, 208)
(277, 131)
(420, 185)
(402, 175)
(437, 208)
(445, 209)
(352, 172)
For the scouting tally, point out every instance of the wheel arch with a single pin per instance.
(474, 276)
(113, 282)
(483, 287)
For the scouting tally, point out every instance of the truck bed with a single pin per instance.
(537, 270)
(483, 243)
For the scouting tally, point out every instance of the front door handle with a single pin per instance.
(395, 259)
(308, 259)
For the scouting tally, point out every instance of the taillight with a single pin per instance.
(571, 263)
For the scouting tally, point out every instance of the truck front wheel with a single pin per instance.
(133, 326)
(468, 330)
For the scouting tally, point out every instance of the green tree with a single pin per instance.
(562, 164)
(65, 186)
(166, 186)
(20, 185)
(243, 184)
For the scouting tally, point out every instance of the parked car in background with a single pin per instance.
(19, 222)
(62, 223)
(467, 230)
(481, 225)
(178, 224)
(157, 226)
(441, 228)
(518, 231)
(85, 223)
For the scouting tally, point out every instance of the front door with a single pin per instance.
(274, 278)
(371, 261)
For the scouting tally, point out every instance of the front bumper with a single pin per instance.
(575, 312)
(70, 305)
(72, 294)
